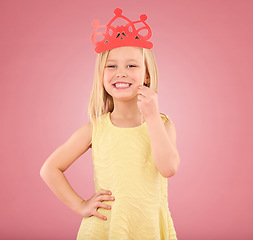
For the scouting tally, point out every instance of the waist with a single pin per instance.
(139, 197)
(144, 199)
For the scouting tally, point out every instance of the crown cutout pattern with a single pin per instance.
(121, 36)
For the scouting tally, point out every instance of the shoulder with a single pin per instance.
(85, 132)
(79, 142)
(86, 127)
(94, 125)
(169, 126)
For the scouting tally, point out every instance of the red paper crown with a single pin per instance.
(121, 35)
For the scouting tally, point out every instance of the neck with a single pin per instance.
(126, 109)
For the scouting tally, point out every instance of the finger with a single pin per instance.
(97, 214)
(140, 92)
(105, 198)
(145, 92)
(103, 191)
(141, 97)
(103, 205)
(143, 87)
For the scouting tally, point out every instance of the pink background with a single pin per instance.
(204, 55)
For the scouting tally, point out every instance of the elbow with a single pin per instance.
(168, 174)
(48, 171)
(171, 171)
(43, 172)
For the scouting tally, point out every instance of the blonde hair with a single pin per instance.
(100, 101)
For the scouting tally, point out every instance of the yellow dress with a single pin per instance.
(123, 163)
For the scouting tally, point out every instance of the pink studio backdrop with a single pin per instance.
(204, 55)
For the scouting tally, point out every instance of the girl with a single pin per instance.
(133, 151)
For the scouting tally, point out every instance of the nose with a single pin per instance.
(121, 74)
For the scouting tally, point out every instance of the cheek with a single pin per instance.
(138, 77)
(107, 76)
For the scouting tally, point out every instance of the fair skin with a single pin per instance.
(137, 100)
(129, 104)
(52, 172)
(119, 68)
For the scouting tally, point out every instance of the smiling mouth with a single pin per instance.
(121, 85)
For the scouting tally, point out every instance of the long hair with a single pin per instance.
(100, 101)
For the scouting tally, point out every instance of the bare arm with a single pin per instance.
(163, 142)
(52, 171)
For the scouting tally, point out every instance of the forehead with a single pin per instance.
(125, 53)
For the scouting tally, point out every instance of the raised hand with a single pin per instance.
(147, 102)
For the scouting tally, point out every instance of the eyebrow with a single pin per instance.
(130, 59)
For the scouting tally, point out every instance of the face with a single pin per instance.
(124, 65)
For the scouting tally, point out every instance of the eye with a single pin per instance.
(110, 66)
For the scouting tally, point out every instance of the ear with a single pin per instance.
(147, 82)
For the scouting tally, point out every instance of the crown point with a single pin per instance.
(95, 22)
(117, 11)
(143, 17)
(124, 35)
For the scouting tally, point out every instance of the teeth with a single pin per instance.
(122, 84)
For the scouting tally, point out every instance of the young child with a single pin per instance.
(133, 144)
